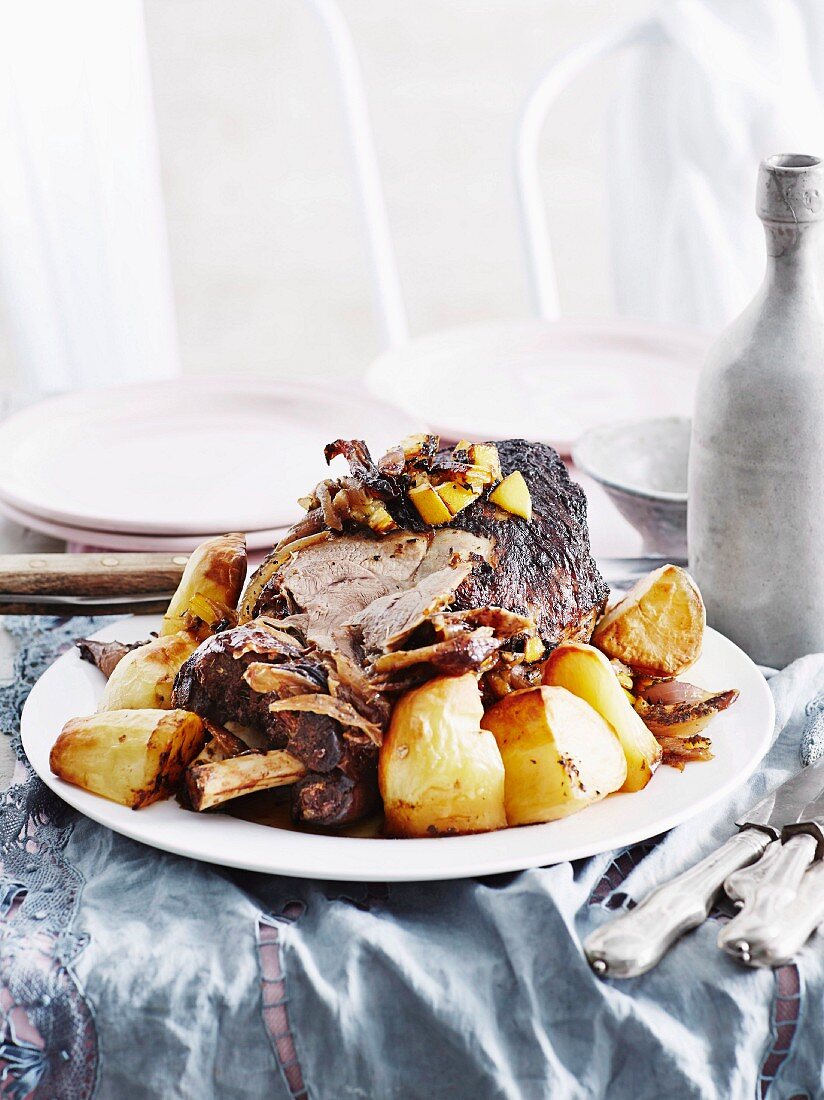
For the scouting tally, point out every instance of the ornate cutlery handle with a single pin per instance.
(634, 942)
(770, 903)
(739, 886)
(796, 926)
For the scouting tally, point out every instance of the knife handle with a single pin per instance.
(634, 942)
(103, 574)
(770, 903)
(784, 942)
(740, 885)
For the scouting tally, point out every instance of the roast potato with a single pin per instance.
(145, 676)
(439, 772)
(130, 756)
(210, 587)
(559, 754)
(586, 672)
(658, 627)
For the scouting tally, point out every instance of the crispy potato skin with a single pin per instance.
(133, 757)
(586, 672)
(658, 627)
(210, 587)
(144, 678)
(559, 754)
(439, 772)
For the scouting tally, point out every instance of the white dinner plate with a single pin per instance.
(178, 458)
(114, 540)
(544, 380)
(740, 737)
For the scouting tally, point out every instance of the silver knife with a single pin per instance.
(795, 927)
(634, 942)
(766, 926)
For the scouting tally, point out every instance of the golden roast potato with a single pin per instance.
(439, 772)
(658, 627)
(586, 672)
(210, 587)
(145, 676)
(559, 754)
(130, 756)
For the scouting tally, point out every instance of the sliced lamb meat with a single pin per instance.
(333, 585)
(541, 569)
(329, 583)
(389, 621)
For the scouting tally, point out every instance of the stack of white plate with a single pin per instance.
(166, 465)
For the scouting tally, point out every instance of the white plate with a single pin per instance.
(113, 540)
(179, 458)
(740, 738)
(541, 380)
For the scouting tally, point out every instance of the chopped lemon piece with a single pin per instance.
(533, 650)
(430, 507)
(513, 496)
(456, 497)
(485, 455)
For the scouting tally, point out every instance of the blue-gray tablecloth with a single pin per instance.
(127, 973)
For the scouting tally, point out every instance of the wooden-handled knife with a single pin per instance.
(104, 583)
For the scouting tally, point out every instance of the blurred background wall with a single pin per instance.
(267, 255)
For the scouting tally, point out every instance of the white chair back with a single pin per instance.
(543, 282)
(390, 311)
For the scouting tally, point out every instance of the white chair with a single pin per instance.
(544, 378)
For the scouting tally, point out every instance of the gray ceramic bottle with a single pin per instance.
(756, 480)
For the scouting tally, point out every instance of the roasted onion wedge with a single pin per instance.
(686, 716)
(680, 751)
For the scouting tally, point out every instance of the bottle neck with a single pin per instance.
(793, 255)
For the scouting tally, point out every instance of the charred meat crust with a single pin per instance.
(210, 683)
(334, 799)
(542, 568)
